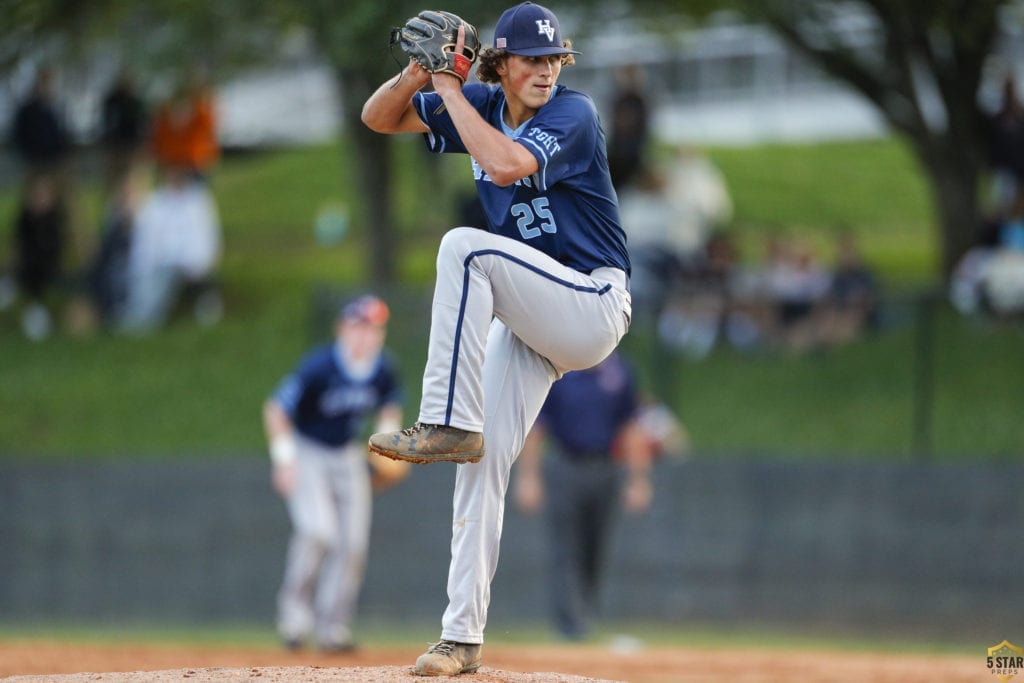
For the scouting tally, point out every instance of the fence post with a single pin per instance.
(923, 368)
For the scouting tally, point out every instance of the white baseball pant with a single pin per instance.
(507, 321)
(330, 510)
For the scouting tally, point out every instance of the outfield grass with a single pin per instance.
(859, 401)
(191, 391)
(389, 633)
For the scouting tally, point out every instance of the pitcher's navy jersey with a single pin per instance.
(568, 208)
(327, 404)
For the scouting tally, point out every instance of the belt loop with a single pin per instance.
(615, 276)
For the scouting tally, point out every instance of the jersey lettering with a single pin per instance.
(547, 140)
(528, 214)
(479, 174)
(347, 399)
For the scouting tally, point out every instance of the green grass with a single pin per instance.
(383, 633)
(194, 392)
(857, 401)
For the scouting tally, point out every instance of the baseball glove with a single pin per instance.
(430, 38)
(386, 473)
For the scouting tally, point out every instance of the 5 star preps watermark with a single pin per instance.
(1005, 660)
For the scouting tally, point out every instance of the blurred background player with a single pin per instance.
(590, 429)
(313, 423)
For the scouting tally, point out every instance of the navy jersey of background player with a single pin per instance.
(568, 209)
(586, 408)
(327, 404)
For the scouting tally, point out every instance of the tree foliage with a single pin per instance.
(149, 36)
(922, 68)
(355, 39)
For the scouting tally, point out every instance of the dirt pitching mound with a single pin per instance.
(34, 661)
(290, 674)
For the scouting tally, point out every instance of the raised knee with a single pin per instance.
(457, 242)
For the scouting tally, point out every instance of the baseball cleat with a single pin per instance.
(448, 658)
(343, 648)
(424, 444)
(292, 644)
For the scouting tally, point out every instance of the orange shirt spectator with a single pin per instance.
(185, 133)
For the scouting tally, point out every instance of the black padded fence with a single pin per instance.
(932, 549)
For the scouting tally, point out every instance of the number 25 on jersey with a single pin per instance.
(533, 218)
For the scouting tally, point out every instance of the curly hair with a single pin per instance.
(489, 58)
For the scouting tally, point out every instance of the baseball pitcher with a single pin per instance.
(544, 290)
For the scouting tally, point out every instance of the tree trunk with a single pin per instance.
(371, 170)
(959, 215)
(954, 190)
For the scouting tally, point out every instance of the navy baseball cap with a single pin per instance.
(367, 309)
(531, 31)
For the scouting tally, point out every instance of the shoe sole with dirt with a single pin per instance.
(426, 460)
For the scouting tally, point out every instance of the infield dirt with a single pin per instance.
(32, 661)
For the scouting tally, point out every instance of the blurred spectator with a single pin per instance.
(629, 131)
(109, 273)
(175, 250)
(39, 245)
(709, 306)
(41, 138)
(852, 302)
(792, 299)
(1004, 283)
(668, 216)
(966, 291)
(597, 453)
(989, 278)
(39, 134)
(185, 129)
(313, 422)
(648, 218)
(698, 192)
(1006, 148)
(124, 127)
(798, 284)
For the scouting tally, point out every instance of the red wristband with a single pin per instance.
(462, 65)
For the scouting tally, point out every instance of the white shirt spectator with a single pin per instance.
(178, 227)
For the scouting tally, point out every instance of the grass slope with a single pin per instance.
(193, 391)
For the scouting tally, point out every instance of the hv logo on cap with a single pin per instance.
(529, 30)
(544, 26)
